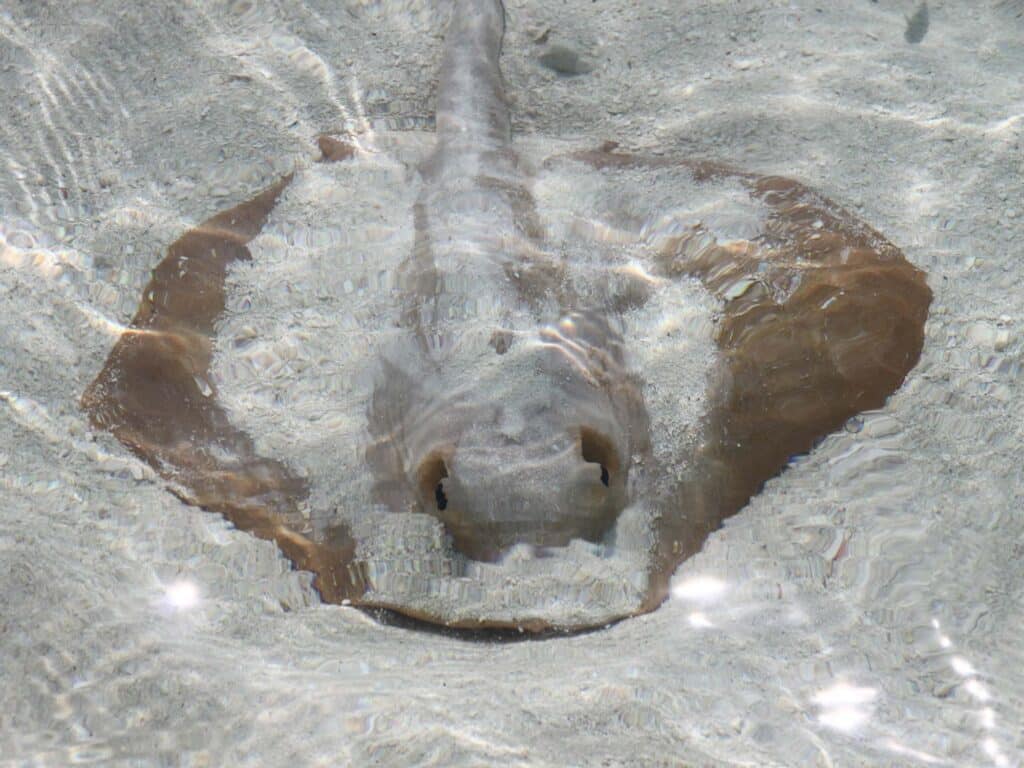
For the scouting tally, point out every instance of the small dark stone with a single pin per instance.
(565, 61)
(917, 25)
(501, 341)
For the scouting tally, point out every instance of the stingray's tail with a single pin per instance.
(471, 105)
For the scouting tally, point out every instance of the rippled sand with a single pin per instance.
(863, 610)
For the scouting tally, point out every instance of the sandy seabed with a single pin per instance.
(865, 609)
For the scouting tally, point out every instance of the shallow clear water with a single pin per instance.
(863, 610)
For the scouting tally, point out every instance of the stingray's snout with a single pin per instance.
(491, 498)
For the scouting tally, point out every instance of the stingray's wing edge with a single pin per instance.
(822, 318)
(154, 394)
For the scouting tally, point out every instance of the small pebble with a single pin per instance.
(985, 335)
(539, 35)
(980, 334)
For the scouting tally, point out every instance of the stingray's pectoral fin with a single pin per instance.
(154, 394)
(821, 318)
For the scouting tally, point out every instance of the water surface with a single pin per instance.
(863, 610)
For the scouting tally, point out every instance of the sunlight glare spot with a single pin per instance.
(700, 621)
(845, 707)
(844, 719)
(917, 754)
(182, 595)
(977, 690)
(961, 666)
(845, 694)
(991, 749)
(944, 641)
(702, 589)
(987, 716)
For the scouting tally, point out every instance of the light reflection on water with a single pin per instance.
(864, 611)
(182, 595)
(700, 589)
(845, 707)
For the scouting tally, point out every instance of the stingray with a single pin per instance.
(513, 465)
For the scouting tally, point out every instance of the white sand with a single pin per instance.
(864, 610)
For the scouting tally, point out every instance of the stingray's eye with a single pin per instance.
(431, 476)
(597, 449)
